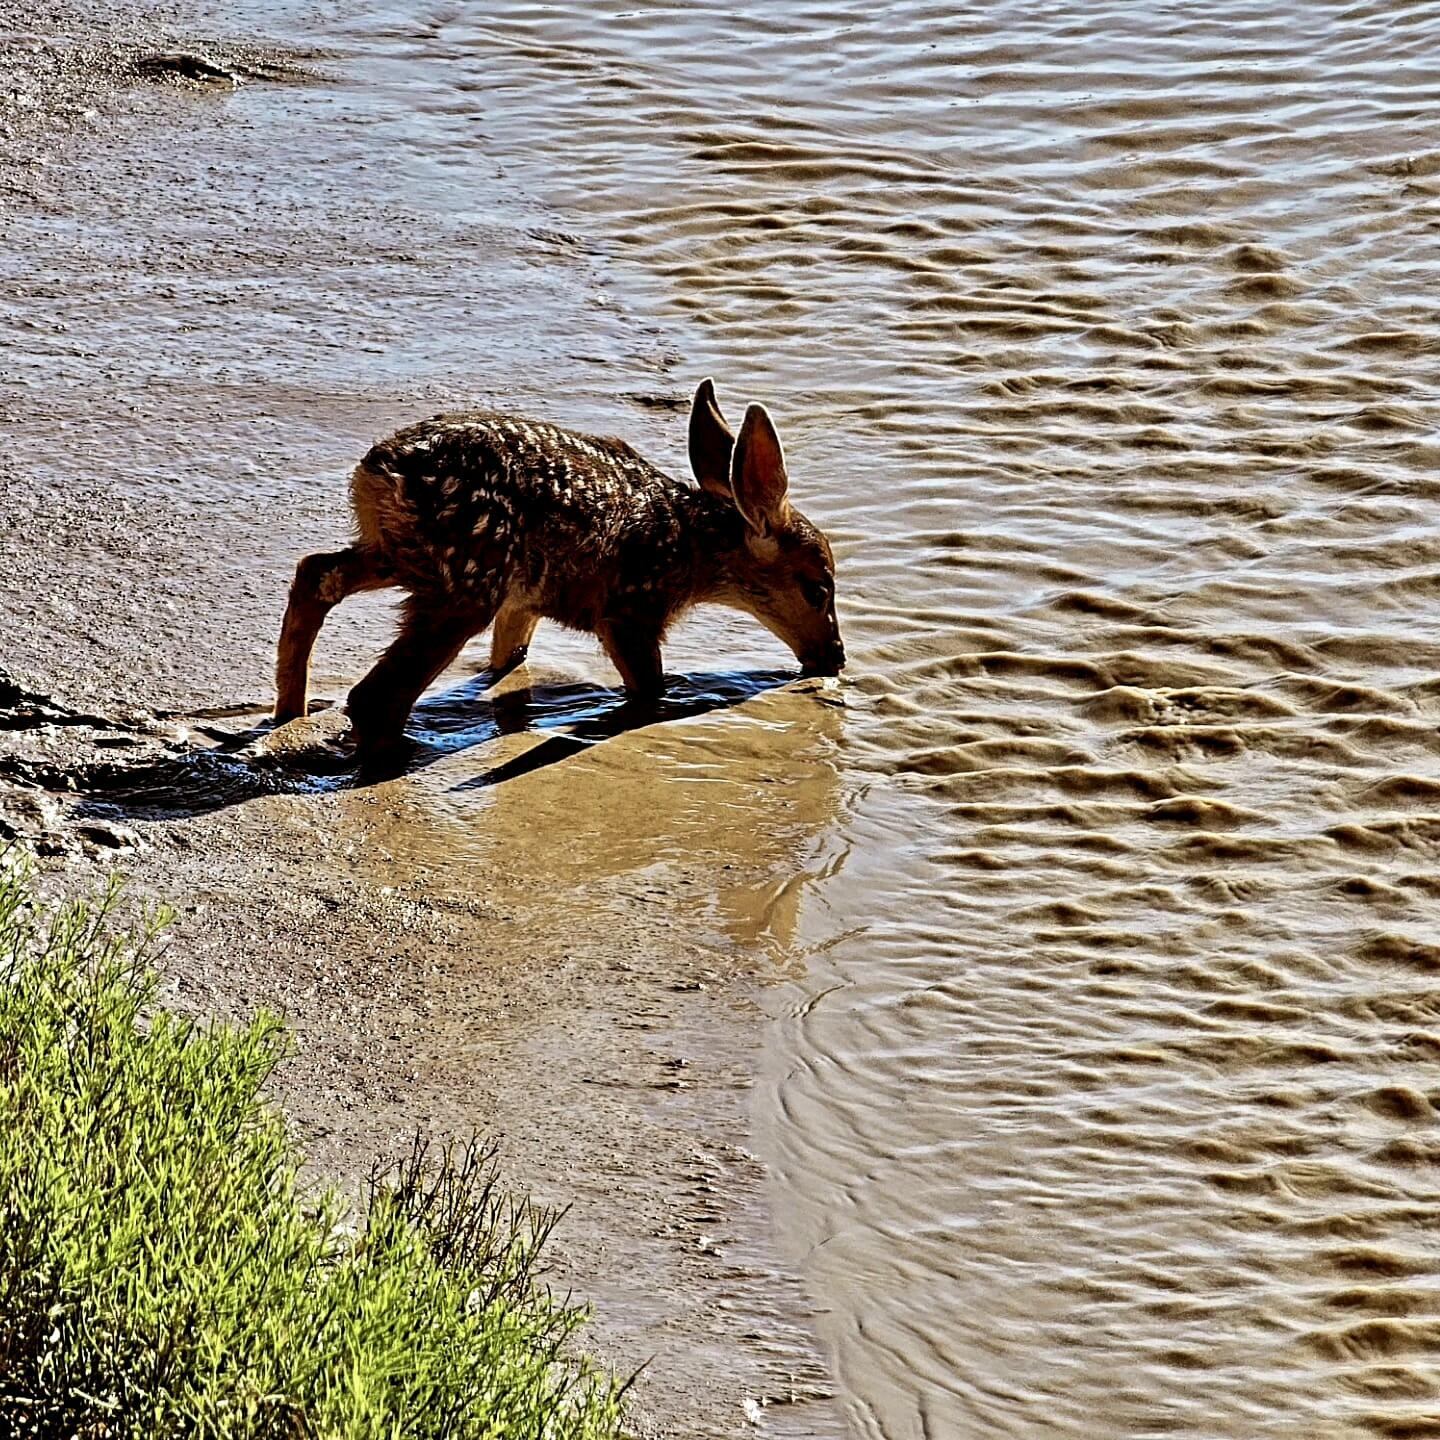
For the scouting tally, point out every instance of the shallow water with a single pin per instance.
(1103, 339)
(1102, 1096)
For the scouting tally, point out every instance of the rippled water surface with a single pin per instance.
(1104, 341)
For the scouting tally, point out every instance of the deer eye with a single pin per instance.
(816, 593)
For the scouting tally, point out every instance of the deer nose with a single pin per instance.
(830, 661)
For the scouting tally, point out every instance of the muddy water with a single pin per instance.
(1104, 340)
(1101, 1096)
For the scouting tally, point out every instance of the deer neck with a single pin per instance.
(715, 533)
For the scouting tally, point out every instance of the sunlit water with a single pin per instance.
(1103, 339)
(1104, 342)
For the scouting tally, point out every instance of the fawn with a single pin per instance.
(489, 519)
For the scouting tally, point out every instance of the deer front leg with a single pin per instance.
(431, 635)
(510, 639)
(634, 650)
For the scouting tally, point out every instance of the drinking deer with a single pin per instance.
(489, 519)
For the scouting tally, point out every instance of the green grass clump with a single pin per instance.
(164, 1272)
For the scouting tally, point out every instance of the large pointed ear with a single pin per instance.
(757, 474)
(710, 442)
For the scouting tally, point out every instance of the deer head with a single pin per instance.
(782, 570)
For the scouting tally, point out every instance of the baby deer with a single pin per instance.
(489, 519)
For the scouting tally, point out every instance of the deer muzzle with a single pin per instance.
(829, 661)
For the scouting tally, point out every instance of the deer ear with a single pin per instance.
(710, 442)
(757, 474)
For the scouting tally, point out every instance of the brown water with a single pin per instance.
(1101, 1095)
(1104, 340)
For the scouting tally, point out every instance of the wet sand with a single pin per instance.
(1087, 930)
(443, 963)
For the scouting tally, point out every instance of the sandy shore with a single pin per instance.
(575, 1008)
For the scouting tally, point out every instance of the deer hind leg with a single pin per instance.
(510, 639)
(634, 650)
(321, 583)
(432, 633)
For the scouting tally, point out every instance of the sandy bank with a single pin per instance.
(169, 451)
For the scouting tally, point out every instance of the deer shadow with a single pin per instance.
(236, 766)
